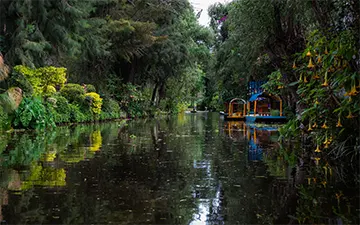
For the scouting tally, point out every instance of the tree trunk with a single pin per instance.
(154, 93)
(161, 93)
(132, 72)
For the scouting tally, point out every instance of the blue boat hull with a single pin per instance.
(266, 119)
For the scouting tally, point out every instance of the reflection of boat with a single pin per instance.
(264, 107)
(236, 130)
(235, 111)
(259, 137)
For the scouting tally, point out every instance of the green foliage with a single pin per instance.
(90, 88)
(110, 109)
(74, 93)
(3, 118)
(274, 112)
(77, 115)
(274, 84)
(7, 103)
(32, 114)
(43, 79)
(17, 79)
(290, 130)
(131, 99)
(61, 110)
(328, 86)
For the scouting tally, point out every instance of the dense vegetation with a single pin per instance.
(80, 61)
(308, 51)
(134, 55)
(77, 61)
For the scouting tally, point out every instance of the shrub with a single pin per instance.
(74, 93)
(43, 77)
(32, 114)
(76, 115)
(62, 105)
(60, 110)
(3, 118)
(17, 79)
(275, 112)
(110, 105)
(110, 109)
(95, 102)
(90, 88)
(50, 90)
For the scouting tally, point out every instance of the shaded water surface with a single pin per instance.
(190, 169)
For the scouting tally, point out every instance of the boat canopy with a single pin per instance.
(255, 96)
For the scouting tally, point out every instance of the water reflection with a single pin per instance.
(191, 169)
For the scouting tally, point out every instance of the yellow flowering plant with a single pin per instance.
(329, 88)
(95, 102)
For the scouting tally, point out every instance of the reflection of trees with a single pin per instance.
(121, 185)
(312, 194)
(44, 176)
(327, 198)
(177, 169)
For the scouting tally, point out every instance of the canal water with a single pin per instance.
(189, 169)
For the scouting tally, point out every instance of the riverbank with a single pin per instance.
(33, 102)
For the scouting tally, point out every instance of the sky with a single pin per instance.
(204, 4)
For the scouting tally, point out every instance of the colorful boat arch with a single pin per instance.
(236, 114)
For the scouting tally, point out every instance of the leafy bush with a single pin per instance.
(32, 114)
(43, 77)
(275, 112)
(74, 93)
(59, 108)
(76, 115)
(17, 79)
(50, 90)
(95, 102)
(62, 105)
(131, 99)
(3, 118)
(328, 87)
(110, 109)
(90, 88)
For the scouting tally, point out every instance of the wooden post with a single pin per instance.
(244, 110)
(255, 103)
(248, 108)
(280, 107)
(255, 136)
(230, 109)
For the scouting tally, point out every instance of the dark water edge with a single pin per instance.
(189, 169)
